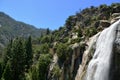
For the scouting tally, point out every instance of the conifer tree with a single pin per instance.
(28, 52)
(7, 74)
(47, 31)
(1, 69)
(8, 53)
(17, 59)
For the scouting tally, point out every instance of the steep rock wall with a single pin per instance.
(88, 53)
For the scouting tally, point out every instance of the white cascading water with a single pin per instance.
(98, 68)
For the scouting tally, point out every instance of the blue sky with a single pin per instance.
(46, 13)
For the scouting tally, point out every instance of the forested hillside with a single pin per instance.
(10, 28)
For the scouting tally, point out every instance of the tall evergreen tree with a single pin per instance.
(1, 69)
(6, 58)
(18, 59)
(48, 31)
(8, 53)
(28, 52)
(7, 74)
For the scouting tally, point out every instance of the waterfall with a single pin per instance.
(98, 68)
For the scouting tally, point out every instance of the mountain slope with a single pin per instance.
(10, 28)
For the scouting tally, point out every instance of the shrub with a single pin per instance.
(63, 52)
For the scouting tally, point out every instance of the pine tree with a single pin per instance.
(6, 58)
(18, 59)
(1, 69)
(47, 31)
(8, 53)
(28, 53)
(7, 74)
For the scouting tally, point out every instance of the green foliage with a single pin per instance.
(80, 32)
(28, 53)
(46, 39)
(21, 59)
(7, 74)
(19, 55)
(8, 51)
(39, 71)
(33, 74)
(11, 28)
(59, 34)
(90, 31)
(44, 48)
(47, 31)
(70, 22)
(43, 64)
(63, 52)
(77, 40)
(65, 40)
(1, 69)
(18, 59)
(56, 71)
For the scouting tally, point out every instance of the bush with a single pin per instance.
(90, 31)
(43, 64)
(56, 71)
(44, 49)
(46, 39)
(77, 40)
(63, 52)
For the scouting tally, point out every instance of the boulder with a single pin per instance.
(74, 35)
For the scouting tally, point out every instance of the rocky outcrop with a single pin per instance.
(53, 63)
(115, 17)
(102, 23)
(69, 70)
